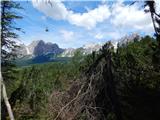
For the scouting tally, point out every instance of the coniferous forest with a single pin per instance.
(113, 83)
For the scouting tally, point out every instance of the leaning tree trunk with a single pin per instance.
(5, 98)
(151, 5)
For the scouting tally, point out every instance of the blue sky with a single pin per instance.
(74, 24)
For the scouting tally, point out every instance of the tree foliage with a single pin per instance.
(8, 37)
(117, 85)
(8, 45)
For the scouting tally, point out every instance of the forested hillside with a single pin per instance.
(110, 83)
(119, 80)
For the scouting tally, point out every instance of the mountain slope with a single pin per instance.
(40, 52)
(39, 47)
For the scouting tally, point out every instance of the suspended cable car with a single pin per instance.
(46, 29)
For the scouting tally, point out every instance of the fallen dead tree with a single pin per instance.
(92, 97)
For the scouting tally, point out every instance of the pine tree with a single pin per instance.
(8, 45)
(156, 24)
(8, 36)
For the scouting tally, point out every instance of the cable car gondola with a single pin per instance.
(46, 29)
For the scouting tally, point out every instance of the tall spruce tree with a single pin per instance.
(156, 24)
(8, 45)
(8, 36)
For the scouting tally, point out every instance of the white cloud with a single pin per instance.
(131, 17)
(90, 18)
(119, 19)
(157, 5)
(54, 9)
(113, 35)
(99, 36)
(57, 10)
(67, 35)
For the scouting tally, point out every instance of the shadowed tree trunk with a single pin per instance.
(6, 101)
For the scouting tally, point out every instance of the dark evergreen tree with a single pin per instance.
(8, 45)
(8, 36)
(156, 24)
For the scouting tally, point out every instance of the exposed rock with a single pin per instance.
(131, 38)
(39, 47)
(68, 52)
(86, 49)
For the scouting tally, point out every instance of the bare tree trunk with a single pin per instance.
(153, 21)
(4, 94)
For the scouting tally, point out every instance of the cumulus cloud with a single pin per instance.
(90, 18)
(131, 17)
(53, 9)
(118, 15)
(99, 36)
(113, 35)
(57, 10)
(157, 5)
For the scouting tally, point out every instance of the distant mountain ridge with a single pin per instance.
(37, 48)
(40, 52)
(129, 38)
(85, 49)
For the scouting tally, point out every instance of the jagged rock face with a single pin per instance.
(86, 49)
(89, 48)
(47, 48)
(68, 52)
(21, 50)
(130, 38)
(39, 47)
(32, 46)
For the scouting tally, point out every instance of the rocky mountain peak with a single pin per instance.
(39, 47)
(129, 38)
